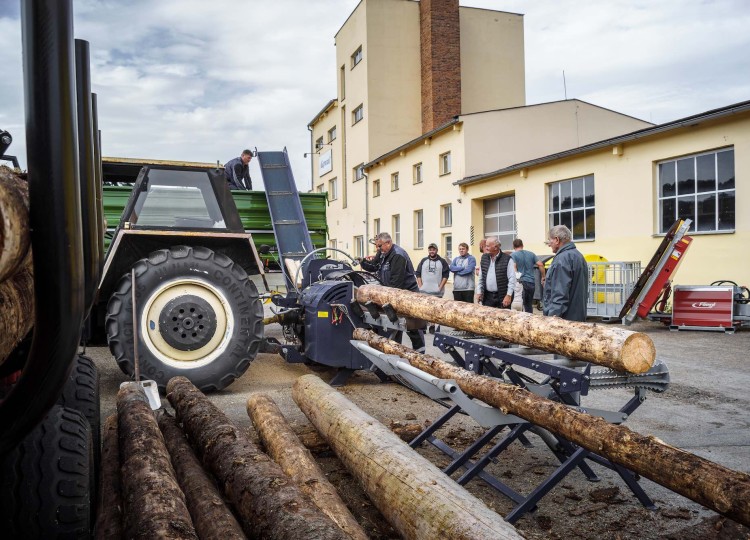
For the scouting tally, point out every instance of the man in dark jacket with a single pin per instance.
(497, 278)
(394, 269)
(566, 283)
(237, 171)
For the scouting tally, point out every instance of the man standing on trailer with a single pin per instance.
(237, 171)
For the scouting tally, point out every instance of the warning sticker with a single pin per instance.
(322, 314)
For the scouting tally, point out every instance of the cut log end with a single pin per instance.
(638, 353)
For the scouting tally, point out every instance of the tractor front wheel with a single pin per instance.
(198, 316)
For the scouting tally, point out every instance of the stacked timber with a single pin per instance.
(616, 348)
(705, 482)
(415, 496)
(16, 268)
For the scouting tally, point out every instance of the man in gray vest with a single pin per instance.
(566, 286)
(497, 278)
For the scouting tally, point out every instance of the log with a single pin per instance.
(269, 504)
(413, 495)
(297, 462)
(212, 518)
(14, 222)
(109, 510)
(616, 348)
(705, 482)
(16, 309)
(154, 505)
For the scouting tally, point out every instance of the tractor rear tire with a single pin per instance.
(199, 316)
(45, 481)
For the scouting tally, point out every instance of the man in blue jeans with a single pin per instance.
(525, 262)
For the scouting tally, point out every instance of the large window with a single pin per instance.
(419, 229)
(417, 173)
(700, 188)
(500, 219)
(394, 182)
(358, 114)
(333, 189)
(571, 203)
(357, 56)
(396, 226)
(446, 215)
(445, 163)
(376, 188)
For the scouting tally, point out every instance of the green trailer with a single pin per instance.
(120, 174)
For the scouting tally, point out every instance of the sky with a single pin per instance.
(196, 80)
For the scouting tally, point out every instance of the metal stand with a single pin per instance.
(564, 384)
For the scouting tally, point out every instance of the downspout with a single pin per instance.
(367, 208)
(312, 168)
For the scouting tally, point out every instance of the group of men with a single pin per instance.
(497, 279)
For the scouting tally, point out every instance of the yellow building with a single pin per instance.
(430, 139)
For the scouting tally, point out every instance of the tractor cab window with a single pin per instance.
(180, 199)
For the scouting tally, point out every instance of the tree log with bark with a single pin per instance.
(109, 511)
(154, 505)
(703, 481)
(17, 313)
(413, 495)
(616, 348)
(15, 238)
(212, 518)
(296, 461)
(268, 502)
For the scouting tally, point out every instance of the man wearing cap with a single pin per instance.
(237, 171)
(498, 277)
(432, 273)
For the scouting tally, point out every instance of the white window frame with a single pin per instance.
(445, 163)
(396, 228)
(357, 56)
(319, 189)
(358, 114)
(500, 233)
(319, 143)
(333, 189)
(698, 225)
(394, 181)
(418, 229)
(417, 173)
(446, 215)
(358, 172)
(376, 226)
(332, 134)
(376, 188)
(448, 246)
(583, 213)
(359, 246)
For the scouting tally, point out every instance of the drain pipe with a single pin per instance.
(52, 157)
(367, 211)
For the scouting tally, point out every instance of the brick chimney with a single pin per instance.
(440, 42)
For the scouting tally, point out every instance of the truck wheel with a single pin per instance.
(45, 481)
(198, 315)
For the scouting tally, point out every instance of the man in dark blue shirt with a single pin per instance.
(237, 171)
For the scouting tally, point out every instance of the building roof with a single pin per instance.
(328, 106)
(688, 121)
(449, 124)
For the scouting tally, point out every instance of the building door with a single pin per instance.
(500, 220)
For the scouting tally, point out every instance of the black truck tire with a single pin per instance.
(81, 393)
(199, 316)
(45, 481)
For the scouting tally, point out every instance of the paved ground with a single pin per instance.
(704, 411)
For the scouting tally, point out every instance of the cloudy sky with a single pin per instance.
(199, 80)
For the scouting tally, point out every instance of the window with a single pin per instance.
(319, 143)
(448, 247)
(357, 56)
(342, 82)
(394, 182)
(376, 226)
(332, 243)
(358, 114)
(419, 229)
(698, 187)
(446, 215)
(445, 163)
(500, 219)
(333, 192)
(396, 226)
(417, 172)
(571, 203)
(319, 189)
(359, 246)
(332, 134)
(359, 172)
(376, 188)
